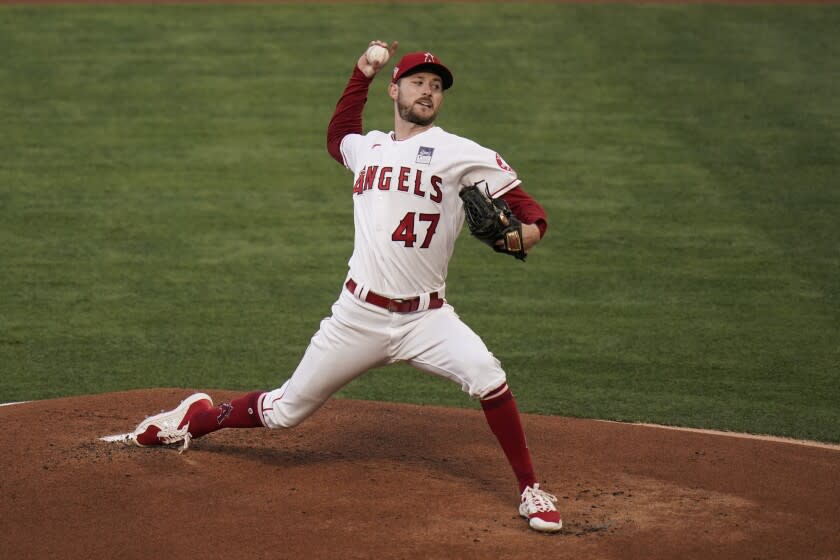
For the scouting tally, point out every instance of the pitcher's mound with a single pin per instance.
(375, 480)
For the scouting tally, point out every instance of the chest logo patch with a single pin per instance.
(424, 155)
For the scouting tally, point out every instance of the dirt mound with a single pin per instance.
(376, 480)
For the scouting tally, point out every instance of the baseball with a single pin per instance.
(377, 54)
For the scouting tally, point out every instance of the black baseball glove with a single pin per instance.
(492, 222)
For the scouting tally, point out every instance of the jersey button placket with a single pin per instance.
(379, 199)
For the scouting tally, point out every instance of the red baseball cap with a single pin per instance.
(422, 62)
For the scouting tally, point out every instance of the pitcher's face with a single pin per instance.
(418, 97)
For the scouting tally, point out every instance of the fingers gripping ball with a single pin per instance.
(491, 222)
(377, 55)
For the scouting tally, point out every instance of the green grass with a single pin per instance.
(169, 216)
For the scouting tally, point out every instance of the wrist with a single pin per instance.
(530, 235)
(359, 74)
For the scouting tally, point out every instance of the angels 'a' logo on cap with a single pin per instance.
(502, 163)
(429, 57)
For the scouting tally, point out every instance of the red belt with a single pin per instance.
(396, 305)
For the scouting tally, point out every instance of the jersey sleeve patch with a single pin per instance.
(503, 164)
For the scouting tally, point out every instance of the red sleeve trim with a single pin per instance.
(501, 191)
(347, 117)
(526, 208)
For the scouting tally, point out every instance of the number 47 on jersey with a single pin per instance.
(404, 233)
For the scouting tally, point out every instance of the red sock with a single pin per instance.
(503, 419)
(238, 413)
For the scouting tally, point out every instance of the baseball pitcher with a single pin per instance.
(412, 189)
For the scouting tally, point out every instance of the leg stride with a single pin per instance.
(503, 418)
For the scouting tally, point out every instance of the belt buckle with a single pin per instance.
(394, 305)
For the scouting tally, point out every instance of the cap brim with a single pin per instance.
(434, 68)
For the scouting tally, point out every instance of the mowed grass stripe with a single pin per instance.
(169, 216)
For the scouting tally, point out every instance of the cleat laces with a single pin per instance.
(187, 439)
(168, 435)
(538, 501)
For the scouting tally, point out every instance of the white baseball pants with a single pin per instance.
(360, 336)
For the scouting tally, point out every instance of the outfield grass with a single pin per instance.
(169, 216)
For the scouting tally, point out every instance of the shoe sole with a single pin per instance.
(538, 524)
(182, 408)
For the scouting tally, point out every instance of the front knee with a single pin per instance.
(484, 377)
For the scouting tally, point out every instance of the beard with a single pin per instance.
(407, 113)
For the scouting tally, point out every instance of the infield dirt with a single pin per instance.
(373, 480)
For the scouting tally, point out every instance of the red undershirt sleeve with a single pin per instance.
(526, 208)
(347, 118)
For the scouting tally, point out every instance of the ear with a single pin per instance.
(393, 90)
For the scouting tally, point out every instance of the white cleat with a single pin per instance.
(537, 506)
(171, 427)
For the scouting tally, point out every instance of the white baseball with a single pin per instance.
(377, 54)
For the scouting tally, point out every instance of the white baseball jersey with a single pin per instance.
(407, 211)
